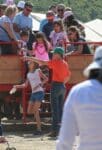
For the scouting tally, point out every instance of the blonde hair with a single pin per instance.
(10, 10)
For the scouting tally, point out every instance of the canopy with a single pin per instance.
(93, 30)
(37, 17)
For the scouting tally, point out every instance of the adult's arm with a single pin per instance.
(16, 27)
(16, 23)
(69, 128)
(9, 29)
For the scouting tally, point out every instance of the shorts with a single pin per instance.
(38, 96)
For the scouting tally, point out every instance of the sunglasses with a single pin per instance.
(70, 33)
(29, 10)
(60, 10)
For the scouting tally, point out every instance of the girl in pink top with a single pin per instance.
(41, 47)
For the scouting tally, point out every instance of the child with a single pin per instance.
(60, 76)
(41, 47)
(24, 37)
(36, 79)
(58, 36)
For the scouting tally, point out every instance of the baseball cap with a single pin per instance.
(58, 50)
(97, 62)
(21, 4)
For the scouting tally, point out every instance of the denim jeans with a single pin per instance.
(1, 130)
(57, 99)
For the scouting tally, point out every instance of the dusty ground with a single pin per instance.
(22, 137)
(29, 142)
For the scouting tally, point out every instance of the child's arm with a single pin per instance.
(22, 86)
(67, 79)
(27, 58)
(43, 76)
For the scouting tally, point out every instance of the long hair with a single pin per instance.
(96, 74)
(74, 29)
(43, 37)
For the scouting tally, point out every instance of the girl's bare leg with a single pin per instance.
(30, 108)
(36, 107)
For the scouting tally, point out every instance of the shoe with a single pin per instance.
(38, 132)
(53, 134)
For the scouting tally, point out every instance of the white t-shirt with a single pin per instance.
(83, 115)
(35, 81)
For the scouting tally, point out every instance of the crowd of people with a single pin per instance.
(58, 34)
(58, 29)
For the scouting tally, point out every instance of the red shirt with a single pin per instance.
(60, 70)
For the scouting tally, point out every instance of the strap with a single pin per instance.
(5, 32)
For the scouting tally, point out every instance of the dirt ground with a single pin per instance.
(28, 141)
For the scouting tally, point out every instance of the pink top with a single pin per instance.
(40, 52)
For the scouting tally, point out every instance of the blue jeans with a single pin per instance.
(1, 130)
(57, 99)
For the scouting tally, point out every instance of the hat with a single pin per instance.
(97, 62)
(67, 14)
(59, 50)
(21, 4)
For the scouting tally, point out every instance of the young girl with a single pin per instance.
(58, 36)
(36, 79)
(41, 47)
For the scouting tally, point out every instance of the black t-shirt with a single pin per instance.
(86, 49)
(47, 29)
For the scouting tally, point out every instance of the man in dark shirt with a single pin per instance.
(48, 27)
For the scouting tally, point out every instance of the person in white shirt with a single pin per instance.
(83, 111)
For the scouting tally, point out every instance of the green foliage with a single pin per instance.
(84, 10)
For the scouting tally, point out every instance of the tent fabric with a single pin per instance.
(37, 17)
(93, 30)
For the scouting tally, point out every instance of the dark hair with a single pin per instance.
(28, 4)
(36, 65)
(60, 23)
(52, 6)
(41, 35)
(96, 74)
(74, 29)
(50, 13)
(24, 33)
(62, 6)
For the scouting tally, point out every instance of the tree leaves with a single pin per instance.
(84, 10)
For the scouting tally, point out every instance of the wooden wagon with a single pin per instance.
(12, 71)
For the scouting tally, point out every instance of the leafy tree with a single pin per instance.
(84, 10)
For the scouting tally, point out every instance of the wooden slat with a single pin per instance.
(77, 63)
(10, 77)
(10, 70)
(7, 63)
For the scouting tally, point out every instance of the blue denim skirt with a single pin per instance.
(38, 96)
